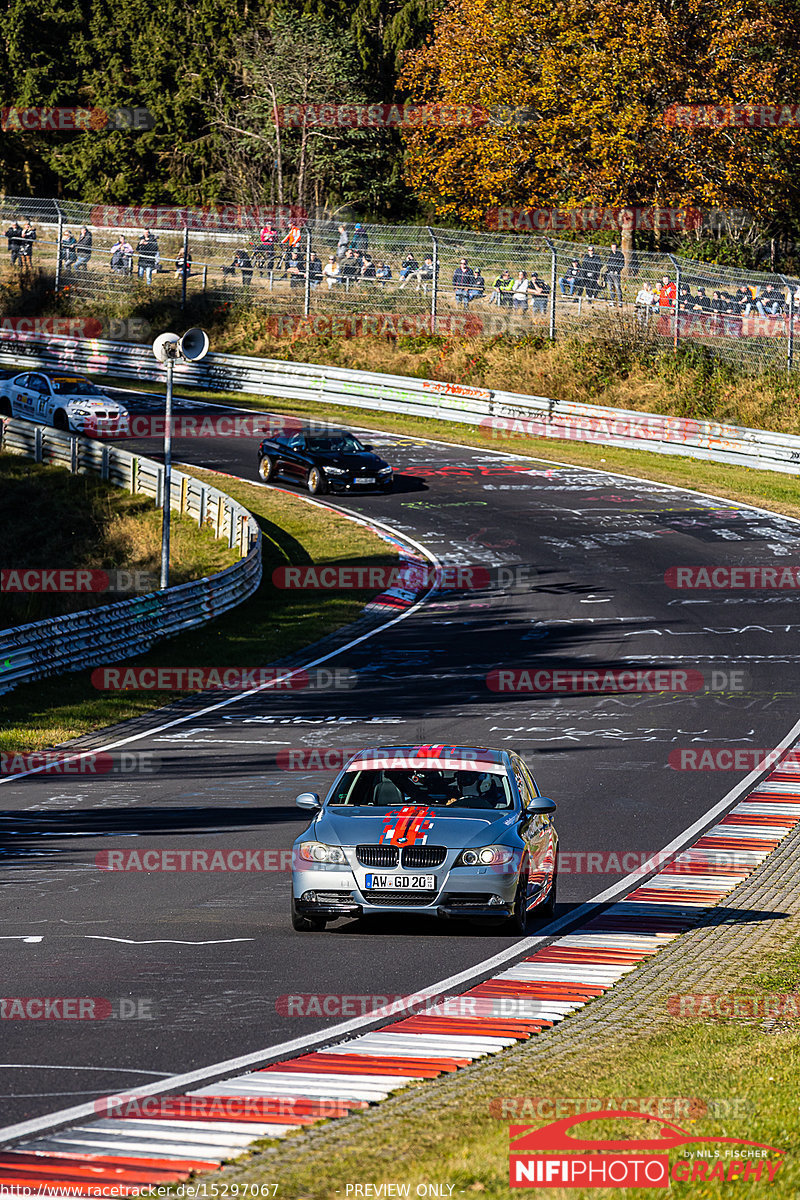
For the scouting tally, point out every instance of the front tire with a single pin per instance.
(266, 469)
(548, 909)
(316, 482)
(60, 420)
(5, 407)
(305, 924)
(517, 923)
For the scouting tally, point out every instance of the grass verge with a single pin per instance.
(80, 521)
(269, 626)
(712, 1076)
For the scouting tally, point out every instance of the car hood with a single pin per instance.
(352, 462)
(94, 402)
(420, 826)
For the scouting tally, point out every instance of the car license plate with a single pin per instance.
(421, 883)
(366, 479)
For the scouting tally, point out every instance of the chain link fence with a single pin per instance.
(315, 275)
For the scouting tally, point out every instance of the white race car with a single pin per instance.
(65, 401)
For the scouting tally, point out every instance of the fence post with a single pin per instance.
(307, 285)
(790, 336)
(60, 238)
(553, 281)
(185, 271)
(435, 280)
(676, 333)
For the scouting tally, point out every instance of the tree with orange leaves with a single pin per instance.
(598, 80)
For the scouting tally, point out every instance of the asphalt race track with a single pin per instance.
(202, 959)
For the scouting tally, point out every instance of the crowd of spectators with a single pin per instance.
(748, 299)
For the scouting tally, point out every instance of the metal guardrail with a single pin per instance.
(120, 630)
(503, 413)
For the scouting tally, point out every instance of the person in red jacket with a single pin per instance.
(667, 292)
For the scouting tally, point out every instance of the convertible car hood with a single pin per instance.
(419, 826)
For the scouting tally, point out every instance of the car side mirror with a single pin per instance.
(541, 805)
(368, 447)
(311, 800)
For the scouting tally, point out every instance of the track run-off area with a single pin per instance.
(200, 966)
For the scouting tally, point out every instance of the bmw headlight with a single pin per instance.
(486, 856)
(385, 471)
(317, 852)
(335, 471)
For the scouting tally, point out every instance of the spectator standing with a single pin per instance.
(343, 243)
(614, 268)
(269, 240)
(147, 249)
(667, 292)
(183, 265)
(539, 292)
(83, 249)
(244, 262)
(519, 292)
(359, 241)
(315, 270)
(68, 255)
(572, 281)
(331, 272)
(463, 280)
(14, 237)
(646, 300)
(591, 266)
(502, 290)
(117, 260)
(26, 247)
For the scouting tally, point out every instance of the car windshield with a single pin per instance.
(75, 387)
(335, 441)
(435, 789)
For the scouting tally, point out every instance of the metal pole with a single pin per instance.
(165, 517)
(676, 334)
(185, 271)
(307, 286)
(58, 251)
(790, 338)
(435, 280)
(553, 281)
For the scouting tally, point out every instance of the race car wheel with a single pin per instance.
(316, 482)
(518, 921)
(304, 924)
(5, 407)
(60, 420)
(266, 469)
(549, 907)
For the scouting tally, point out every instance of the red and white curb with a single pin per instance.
(135, 1152)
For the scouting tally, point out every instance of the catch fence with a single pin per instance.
(403, 280)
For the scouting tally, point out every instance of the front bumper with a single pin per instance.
(339, 483)
(459, 894)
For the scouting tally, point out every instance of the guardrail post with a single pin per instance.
(553, 281)
(205, 276)
(790, 332)
(185, 271)
(59, 239)
(676, 331)
(435, 280)
(38, 444)
(307, 284)
(73, 456)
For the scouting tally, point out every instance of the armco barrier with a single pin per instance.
(114, 631)
(497, 410)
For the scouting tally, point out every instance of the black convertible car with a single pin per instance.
(334, 460)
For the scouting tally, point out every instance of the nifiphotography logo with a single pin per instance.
(551, 1156)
